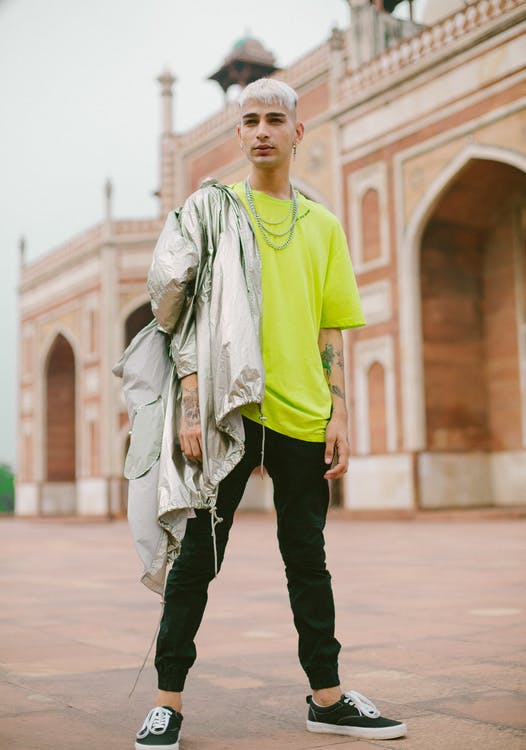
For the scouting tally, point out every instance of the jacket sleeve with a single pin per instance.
(173, 269)
(183, 346)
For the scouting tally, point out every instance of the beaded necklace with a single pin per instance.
(266, 231)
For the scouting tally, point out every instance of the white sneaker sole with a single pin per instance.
(365, 733)
(157, 747)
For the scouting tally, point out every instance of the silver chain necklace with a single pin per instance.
(265, 231)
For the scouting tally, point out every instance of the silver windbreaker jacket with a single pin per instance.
(205, 285)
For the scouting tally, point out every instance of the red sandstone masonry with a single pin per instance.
(377, 409)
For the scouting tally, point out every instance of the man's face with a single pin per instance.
(266, 133)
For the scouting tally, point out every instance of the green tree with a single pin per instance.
(7, 489)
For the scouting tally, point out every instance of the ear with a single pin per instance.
(300, 131)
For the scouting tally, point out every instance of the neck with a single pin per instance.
(272, 182)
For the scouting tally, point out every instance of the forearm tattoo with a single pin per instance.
(329, 357)
(337, 391)
(191, 406)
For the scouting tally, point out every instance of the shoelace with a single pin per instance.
(155, 723)
(363, 704)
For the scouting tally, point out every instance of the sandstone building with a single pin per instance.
(416, 138)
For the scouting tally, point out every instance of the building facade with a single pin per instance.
(416, 139)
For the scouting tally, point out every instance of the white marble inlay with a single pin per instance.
(372, 177)
(92, 381)
(450, 86)
(376, 301)
(27, 400)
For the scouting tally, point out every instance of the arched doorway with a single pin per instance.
(472, 291)
(123, 497)
(136, 320)
(60, 429)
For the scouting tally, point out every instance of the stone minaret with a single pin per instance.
(167, 80)
(22, 251)
(108, 207)
(166, 191)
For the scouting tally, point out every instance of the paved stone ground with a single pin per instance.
(431, 613)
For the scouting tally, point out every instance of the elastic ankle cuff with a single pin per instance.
(171, 682)
(323, 680)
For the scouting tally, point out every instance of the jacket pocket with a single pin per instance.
(146, 439)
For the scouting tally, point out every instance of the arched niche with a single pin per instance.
(60, 420)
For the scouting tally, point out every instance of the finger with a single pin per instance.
(329, 450)
(183, 443)
(187, 447)
(194, 451)
(341, 457)
(337, 471)
(339, 468)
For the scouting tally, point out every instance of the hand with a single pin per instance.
(190, 435)
(336, 446)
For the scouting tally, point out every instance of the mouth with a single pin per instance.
(263, 149)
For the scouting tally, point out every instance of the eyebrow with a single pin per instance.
(248, 115)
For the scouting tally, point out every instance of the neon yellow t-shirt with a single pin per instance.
(306, 286)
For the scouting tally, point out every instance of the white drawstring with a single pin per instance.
(139, 673)
(365, 706)
(215, 519)
(262, 462)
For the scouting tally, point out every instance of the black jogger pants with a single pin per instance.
(301, 497)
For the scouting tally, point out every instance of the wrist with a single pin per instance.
(189, 382)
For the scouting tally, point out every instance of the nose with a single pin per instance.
(262, 132)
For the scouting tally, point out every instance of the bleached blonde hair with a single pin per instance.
(270, 91)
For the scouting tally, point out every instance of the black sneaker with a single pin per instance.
(353, 715)
(160, 729)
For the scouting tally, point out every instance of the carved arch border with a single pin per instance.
(410, 304)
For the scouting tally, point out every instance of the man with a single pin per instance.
(299, 431)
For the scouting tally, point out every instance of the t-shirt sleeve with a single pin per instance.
(341, 306)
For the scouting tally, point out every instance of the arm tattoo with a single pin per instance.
(191, 407)
(327, 358)
(330, 357)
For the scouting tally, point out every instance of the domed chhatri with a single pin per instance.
(247, 61)
(386, 5)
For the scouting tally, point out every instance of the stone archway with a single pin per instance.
(472, 289)
(123, 495)
(60, 429)
(133, 323)
(136, 320)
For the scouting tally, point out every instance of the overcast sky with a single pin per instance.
(79, 103)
